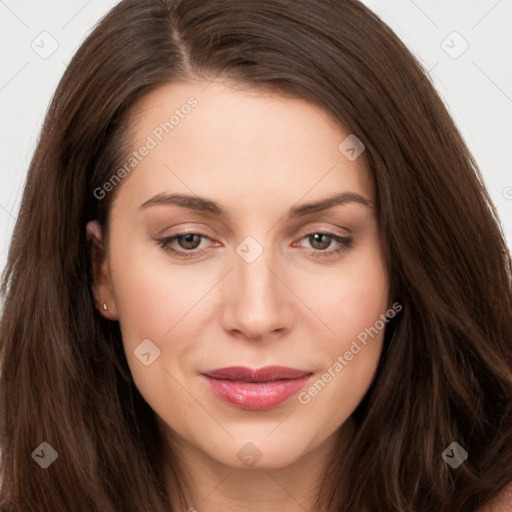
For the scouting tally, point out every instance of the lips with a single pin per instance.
(255, 389)
(266, 374)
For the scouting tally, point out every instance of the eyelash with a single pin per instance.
(165, 243)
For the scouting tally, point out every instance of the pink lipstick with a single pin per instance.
(255, 389)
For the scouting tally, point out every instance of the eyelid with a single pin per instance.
(318, 227)
(300, 234)
(186, 229)
(321, 228)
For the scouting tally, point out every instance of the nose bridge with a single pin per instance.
(256, 282)
(256, 301)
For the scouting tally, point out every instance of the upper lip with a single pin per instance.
(265, 374)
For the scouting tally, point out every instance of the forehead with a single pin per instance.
(223, 138)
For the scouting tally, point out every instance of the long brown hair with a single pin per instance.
(446, 370)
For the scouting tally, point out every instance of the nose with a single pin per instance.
(257, 302)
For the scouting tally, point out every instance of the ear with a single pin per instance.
(102, 281)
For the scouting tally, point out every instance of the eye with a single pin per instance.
(188, 244)
(320, 241)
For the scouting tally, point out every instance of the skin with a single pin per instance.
(258, 154)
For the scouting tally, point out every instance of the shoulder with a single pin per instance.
(502, 503)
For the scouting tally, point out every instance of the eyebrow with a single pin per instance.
(205, 205)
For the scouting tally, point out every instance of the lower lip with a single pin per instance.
(256, 395)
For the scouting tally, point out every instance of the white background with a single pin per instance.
(476, 86)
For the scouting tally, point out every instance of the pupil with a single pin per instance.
(189, 239)
(317, 237)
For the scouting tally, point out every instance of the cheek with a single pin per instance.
(351, 299)
(151, 297)
(352, 305)
(152, 302)
(165, 303)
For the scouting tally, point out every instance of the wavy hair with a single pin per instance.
(445, 373)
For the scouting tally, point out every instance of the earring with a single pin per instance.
(105, 307)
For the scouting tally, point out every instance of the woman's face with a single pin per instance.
(266, 272)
